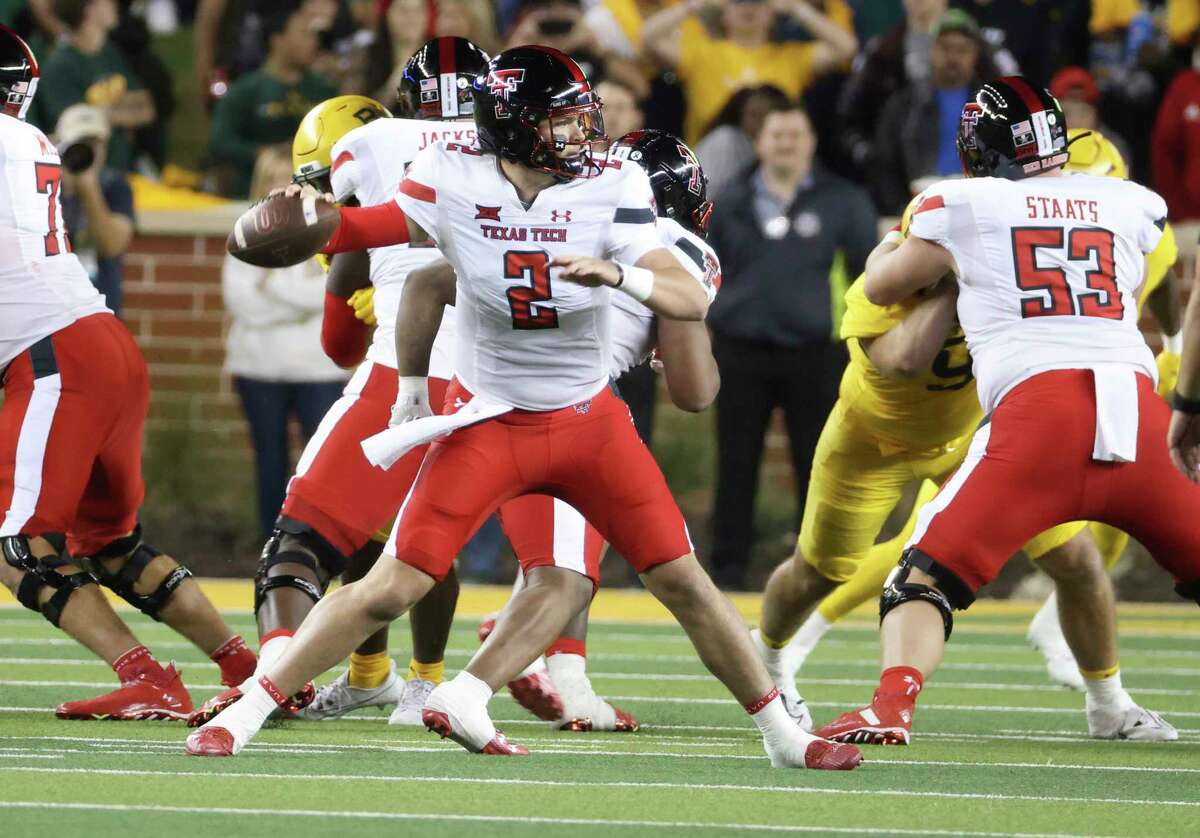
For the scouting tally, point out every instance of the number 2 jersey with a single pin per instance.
(1048, 271)
(525, 337)
(368, 164)
(43, 287)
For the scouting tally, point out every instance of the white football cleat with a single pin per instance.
(1045, 635)
(449, 713)
(338, 698)
(783, 675)
(411, 703)
(584, 711)
(1131, 722)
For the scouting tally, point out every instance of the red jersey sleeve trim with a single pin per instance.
(931, 203)
(342, 159)
(343, 336)
(418, 190)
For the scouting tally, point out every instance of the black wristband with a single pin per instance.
(1189, 406)
(620, 275)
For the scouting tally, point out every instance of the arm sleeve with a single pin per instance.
(864, 319)
(632, 233)
(363, 227)
(343, 336)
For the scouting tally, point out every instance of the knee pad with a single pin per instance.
(950, 595)
(317, 555)
(1189, 590)
(137, 555)
(41, 573)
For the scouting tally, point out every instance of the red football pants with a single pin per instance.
(71, 435)
(547, 532)
(588, 455)
(335, 490)
(1030, 468)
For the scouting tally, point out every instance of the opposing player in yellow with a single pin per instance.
(906, 411)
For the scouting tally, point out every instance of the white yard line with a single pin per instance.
(527, 782)
(524, 819)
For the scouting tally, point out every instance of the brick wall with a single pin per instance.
(173, 307)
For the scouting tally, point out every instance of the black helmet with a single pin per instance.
(526, 86)
(680, 187)
(18, 73)
(437, 81)
(1012, 130)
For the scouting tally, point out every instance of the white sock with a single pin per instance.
(565, 667)
(807, 638)
(1107, 692)
(538, 665)
(268, 653)
(246, 717)
(471, 688)
(776, 725)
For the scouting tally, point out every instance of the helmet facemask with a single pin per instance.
(572, 126)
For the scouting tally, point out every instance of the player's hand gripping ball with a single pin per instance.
(284, 228)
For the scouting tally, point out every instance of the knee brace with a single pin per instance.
(137, 555)
(950, 595)
(317, 555)
(1189, 590)
(41, 573)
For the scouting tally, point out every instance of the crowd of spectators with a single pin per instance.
(812, 118)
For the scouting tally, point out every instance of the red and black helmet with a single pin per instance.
(18, 73)
(438, 80)
(1013, 129)
(680, 187)
(524, 93)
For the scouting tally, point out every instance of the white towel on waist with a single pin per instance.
(1116, 413)
(386, 447)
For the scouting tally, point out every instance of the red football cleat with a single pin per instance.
(143, 698)
(438, 722)
(210, 742)
(607, 717)
(210, 708)
(486, 628)
(537, 694)
(831, 756)
(880, 723)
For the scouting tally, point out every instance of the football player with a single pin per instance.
(543, 528)
(337, 503)
(532, 348)
(1046, 267)
(76, 390)
(949, 378)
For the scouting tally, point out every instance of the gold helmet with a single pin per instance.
(1094, 154)
(323, 126)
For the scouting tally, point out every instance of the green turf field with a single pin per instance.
(998, 750)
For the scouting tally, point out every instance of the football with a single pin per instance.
(282, 230)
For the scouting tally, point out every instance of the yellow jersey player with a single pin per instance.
(906, 411)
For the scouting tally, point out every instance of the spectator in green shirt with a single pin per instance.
(88, 68)
(265, 107)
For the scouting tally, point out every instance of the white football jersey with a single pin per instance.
(368, 164)
(43, 287)
(1048, 271)
(633, 336)
(524, 336)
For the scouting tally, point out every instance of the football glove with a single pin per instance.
(412, 400)
(363, 303)
(1168, 372)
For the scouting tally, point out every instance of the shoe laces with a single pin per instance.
(333, 694)
(416, 692)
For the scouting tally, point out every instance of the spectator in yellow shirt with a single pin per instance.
(711, 69)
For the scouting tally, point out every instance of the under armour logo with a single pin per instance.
(912, 688)
(560, 215)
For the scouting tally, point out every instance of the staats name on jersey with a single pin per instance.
(1074, 209)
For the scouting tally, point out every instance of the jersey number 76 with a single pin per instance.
(1102, 297)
